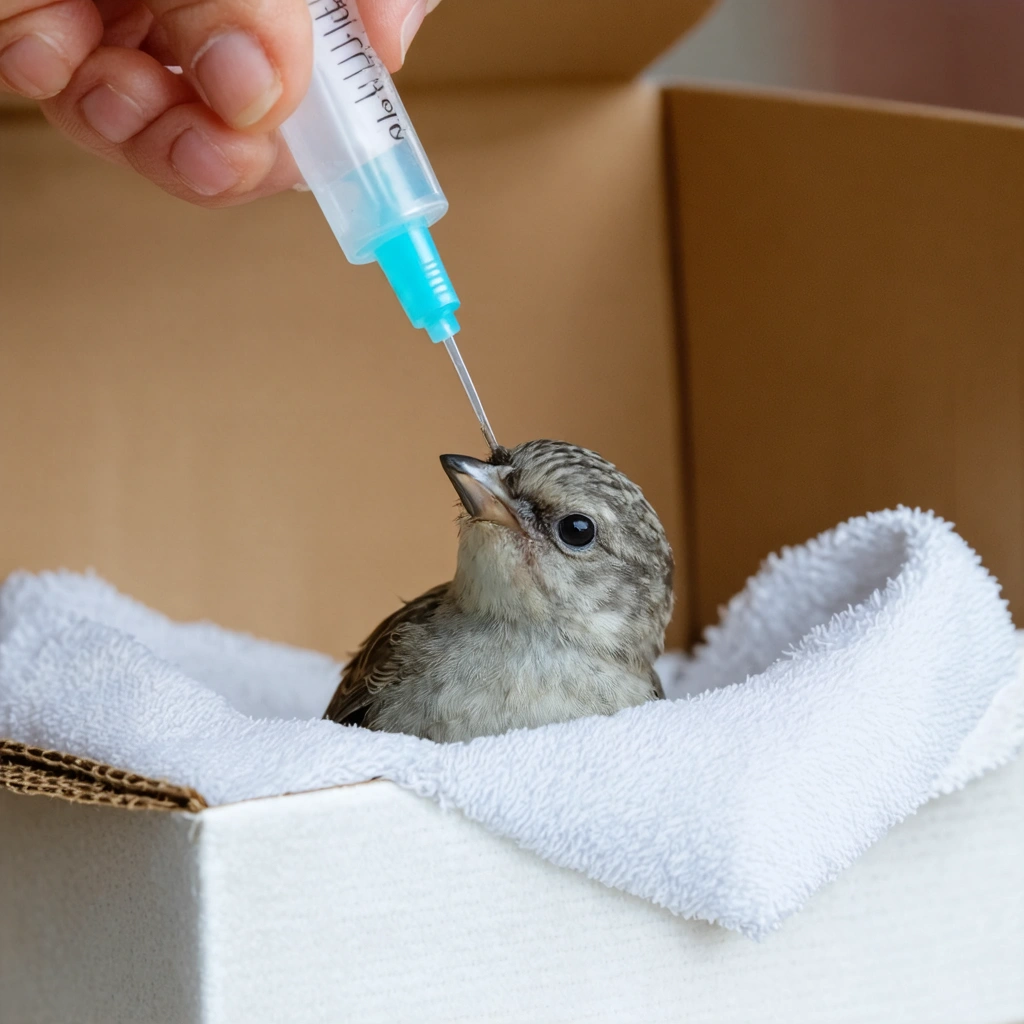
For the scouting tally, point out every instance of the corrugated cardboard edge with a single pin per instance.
(37, 772)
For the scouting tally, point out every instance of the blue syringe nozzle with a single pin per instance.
(443, 328)
(415, 272)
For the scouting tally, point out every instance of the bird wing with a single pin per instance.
(373, 668)
(659, 690)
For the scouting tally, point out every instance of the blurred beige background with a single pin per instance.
(773, 306)
(964, 54)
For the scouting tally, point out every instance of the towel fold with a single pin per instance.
(853, 679)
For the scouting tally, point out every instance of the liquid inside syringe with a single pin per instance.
(474, 398)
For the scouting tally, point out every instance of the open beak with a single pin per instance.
(481, 490)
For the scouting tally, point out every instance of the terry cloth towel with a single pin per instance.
(853, 679)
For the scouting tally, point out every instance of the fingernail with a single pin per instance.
(201, 165)
(35, 67)
(112, 114)
(431, 4)
(236, 78)
(411, 25)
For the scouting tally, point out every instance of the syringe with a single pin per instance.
(357, 150)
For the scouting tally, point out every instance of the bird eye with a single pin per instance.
(577, 530)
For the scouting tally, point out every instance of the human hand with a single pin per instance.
(100, 69)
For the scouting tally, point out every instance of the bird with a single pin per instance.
(557, 610)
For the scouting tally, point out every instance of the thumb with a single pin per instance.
(391, 25)
(249, 60)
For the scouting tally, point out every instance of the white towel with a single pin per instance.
(853, 679)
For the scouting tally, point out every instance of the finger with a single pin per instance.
(192, 154)
(41, 46)
(156, 45)
(113, 96)
(391, 26)
(125, 22)
(125, 106)
(250, 60)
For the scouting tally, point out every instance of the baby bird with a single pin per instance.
(558, 608)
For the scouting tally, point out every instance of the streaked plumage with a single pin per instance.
(534, 628)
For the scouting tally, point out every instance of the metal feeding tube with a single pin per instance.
(474, 398)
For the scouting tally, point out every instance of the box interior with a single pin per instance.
(772, 312)
(229, 422)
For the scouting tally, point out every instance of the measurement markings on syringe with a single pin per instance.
(374, 81)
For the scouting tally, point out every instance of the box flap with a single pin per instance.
(850, 276)
(38, 772)
(545, 40)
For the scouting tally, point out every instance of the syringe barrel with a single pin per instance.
(353, 141)
(360, 156)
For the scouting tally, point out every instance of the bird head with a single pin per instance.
(554, 537)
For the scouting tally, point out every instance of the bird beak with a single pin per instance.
(481, 490)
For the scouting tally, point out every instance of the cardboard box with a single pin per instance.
(772, 311)
(366, 903)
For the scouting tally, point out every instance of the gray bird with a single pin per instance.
(558, 608)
